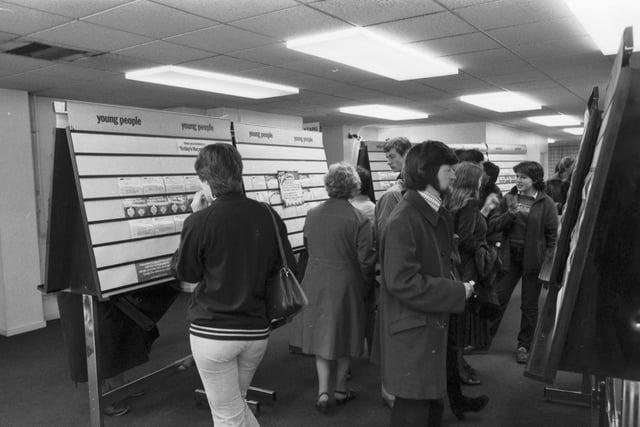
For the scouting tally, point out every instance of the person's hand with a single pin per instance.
(199, 201)
(469, 288)
(490, 204)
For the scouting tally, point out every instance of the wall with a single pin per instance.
(464, 133)
(257, 118)
(536, 144)
(20, 302)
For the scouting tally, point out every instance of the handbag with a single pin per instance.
(284, 296)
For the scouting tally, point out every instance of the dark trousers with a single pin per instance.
(454, 388)
(417, 413)
(530, 295)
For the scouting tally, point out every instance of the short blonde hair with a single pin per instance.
(342, 181)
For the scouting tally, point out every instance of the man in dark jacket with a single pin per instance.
(419, 292)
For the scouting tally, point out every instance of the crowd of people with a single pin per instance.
(416, 279)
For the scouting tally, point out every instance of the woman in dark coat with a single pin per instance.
(339, 239)
(529, 222)
(419, 292)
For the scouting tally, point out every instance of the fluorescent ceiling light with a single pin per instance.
(371, 52)
(605, 21)
(387, 112)
(555, 120)
(574, 131)
(550, 140)
(501, 102)
(189, 78)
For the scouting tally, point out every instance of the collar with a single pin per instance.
(535, 195)
(434, 201)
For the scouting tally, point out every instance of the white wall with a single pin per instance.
(536, 144)
(464, 133)
(257, 118)
(20, 301)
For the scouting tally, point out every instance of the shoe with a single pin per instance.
(522, 355)
(322, 405)
(472, 349)
(348, 396)
(468, 404)
(115, 410)
(469, 379)
(468, 368)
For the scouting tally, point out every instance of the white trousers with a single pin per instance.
(226, 369)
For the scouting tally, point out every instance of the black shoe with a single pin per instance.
(116, 410)
(343, 397)
(468, 404)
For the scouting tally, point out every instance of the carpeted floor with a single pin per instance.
(35, 388)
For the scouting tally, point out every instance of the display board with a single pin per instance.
(544, 362)
(123, 180)
(596, 329)
(505, 156)
(286, 168)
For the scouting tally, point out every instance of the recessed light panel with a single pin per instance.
(501, 102)
(366, 50)
(386, 112)
(606, 20)
(574, 131)
(211, 82)
(555, 120)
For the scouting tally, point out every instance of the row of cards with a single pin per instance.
(142, 185)
(270, 182)
(157, 205)
(274, 198)
(147, 227)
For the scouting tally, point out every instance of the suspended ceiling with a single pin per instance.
(536, 47)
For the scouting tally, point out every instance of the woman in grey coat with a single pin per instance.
(339, 239)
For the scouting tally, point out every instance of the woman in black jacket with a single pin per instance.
(529, 222)
(229, 247)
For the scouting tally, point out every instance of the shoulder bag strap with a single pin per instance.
(278, 238)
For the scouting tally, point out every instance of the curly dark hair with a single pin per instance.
(534, 171)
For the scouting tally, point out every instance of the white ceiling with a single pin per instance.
(533, 46)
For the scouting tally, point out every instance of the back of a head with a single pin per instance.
(423, 161)
(492, 170)
(220, 165)
(342, 181)
(564, 165)
(473, 155)
(399, 143)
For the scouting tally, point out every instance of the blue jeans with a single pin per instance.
(530, 294)
(226, 369)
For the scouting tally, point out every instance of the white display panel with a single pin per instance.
(253, 151)
(132, 144)
(132, 251)
(119, 165)
(263, 167)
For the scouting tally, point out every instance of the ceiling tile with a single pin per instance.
(351, 91)
(505, 13)
(409, 89)
(73, 71)
(228, 10)
(70, 8)
(274, 54)
(149, 19)
(164, 53)
(7, 36)
(458, 44)
(113, 62)
(456, 4)
(559, 47)
(32, 82)
(518, 78)
(288, 77)
(368, 12)
(222, 39)
(426, 27)
(536, 32)
(461, 85)
(88, 36)
(290, 23)
(223, 64)
(20, 20)
(329, 69)
(14, 64)
(589, 64)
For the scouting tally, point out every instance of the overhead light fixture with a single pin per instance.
(555, 120)
(190, 78)
(501, 102)
(366, 50)
(550, 140)
(386, 112)
(574, 131)
(606, 20)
